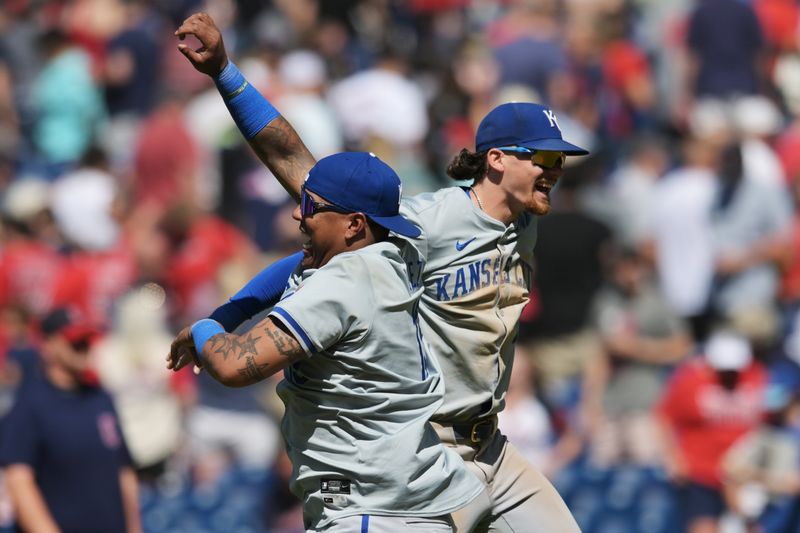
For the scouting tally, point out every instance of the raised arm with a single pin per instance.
(235, 360)
(274, 140)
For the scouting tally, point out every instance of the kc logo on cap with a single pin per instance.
(524, 124)
(552, 118)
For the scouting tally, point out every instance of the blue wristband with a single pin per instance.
(249, 109)
(202, 330)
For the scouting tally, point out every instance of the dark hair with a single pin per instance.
(94, 157)
(52, 40)
(467, 165)
(378, 232)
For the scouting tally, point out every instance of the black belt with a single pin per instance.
(477, 432)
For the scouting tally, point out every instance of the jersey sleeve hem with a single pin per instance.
(299, 333)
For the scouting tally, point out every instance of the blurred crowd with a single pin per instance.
(663, 329)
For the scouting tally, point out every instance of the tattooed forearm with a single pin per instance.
(279, 146)
(264, 353)
(253, 371)
(282, 137)
(227, 344)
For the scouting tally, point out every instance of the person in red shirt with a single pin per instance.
(92, 280)
(202, 246)
(709, 403)
(30, 262)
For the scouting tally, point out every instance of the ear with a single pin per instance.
(494, 160)
(356, 225)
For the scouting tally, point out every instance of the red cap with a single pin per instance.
(69, 324)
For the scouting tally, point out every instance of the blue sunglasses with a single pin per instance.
(541, 158)
(309, 206)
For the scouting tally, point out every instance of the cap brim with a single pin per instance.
(554, 145)
(81, 332)
(399, 225)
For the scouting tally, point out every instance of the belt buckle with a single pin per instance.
(473, 436)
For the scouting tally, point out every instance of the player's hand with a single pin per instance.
(182, 351)
(210, 58)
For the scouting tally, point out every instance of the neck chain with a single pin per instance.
(477, 198)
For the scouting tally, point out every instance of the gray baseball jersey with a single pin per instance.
(475, 275)
(357, 409)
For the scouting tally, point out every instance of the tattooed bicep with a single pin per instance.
(285, 343)
(276, 349)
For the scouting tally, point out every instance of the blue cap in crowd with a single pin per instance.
(523, 124)
(360, 182)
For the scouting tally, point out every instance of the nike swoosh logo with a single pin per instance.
(461, 245)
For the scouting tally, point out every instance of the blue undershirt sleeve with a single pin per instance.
(248, 107)
(260, 293)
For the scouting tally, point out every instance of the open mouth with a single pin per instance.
(544, 187)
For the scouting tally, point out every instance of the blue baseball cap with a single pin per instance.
(362, 183)
(523, 124)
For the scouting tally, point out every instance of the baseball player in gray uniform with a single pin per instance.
(473, 262)
(358, 395)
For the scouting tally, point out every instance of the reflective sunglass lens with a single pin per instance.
(548, 159)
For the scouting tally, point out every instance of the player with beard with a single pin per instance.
(473, 261)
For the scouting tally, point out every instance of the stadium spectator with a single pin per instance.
(528, 46)
(101, 263)
(626, 199)
(131, 62)
(397, 122)
(166, 158)
(708, 404)
(643, 340)
(757, 120)
(30, 262)
(204, 249)
(130, 368)
(751, 226)
(629, 96)
(571, 255)
(130, 77)
(69, 106)
(466, 95)
(304, 78)
(721, 67)
(683, 235)
(65, 461)
(761, 471)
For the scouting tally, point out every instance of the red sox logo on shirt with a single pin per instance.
(741, 406)
(107, 426)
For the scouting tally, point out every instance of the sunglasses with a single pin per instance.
(309, 206)
(541, 158)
